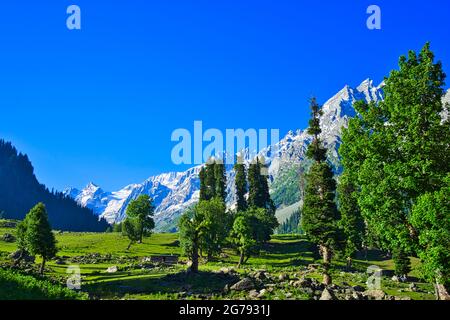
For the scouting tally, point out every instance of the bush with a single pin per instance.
(16, 286)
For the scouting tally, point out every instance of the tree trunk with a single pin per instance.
(194, 267)
(349, 263)
(129, 245)
(326, 252)
(241, 259)
(441, 292)
(41, 271)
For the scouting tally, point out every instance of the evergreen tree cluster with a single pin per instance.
(291, 225)
(20, 191)
(207, 227)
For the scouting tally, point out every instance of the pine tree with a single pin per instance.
(220, 181)
(241, 185)
(319, 213)
(352, 223)
(203, 187)
(38, 236)
(210, 179)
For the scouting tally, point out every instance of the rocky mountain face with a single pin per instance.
(174, 192)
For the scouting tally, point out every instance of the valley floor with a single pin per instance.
(279, 272)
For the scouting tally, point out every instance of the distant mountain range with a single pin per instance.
(175, 191)
(20, 191)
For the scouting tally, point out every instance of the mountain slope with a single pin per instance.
(20, 191)
(174, 192)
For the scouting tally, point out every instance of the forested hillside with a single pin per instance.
(20, 191)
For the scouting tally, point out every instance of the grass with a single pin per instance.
(17, 286)
(284, 254)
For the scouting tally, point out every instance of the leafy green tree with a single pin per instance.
(141, 211)
(35, 234)
(215, 224)
(242, 235)
(131, 228)
(352, 223)
(319, 213)
(399, 150)
(402, 262)
(241, 185)
(431, 217)
(192, 225)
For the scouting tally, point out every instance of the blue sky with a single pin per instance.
(100, 104)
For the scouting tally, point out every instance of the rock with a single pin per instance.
(358, 288)
(24, 256)
(327, 295)
(226, 289)
(413, 287)
(59, 262)
(253, 294)
(283, 277)
(7, 237)
(289, 295)
(357, 296)
(262, 293)
(395, 279)
(261, 275)
(112, 269)
(243, 285)
(375, 294)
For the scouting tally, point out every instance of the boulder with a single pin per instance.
(413, 287)
(245, 284)
(283, 277)
(358, 288)
(7, 237)
(261, 275)
(253, 294)
(375, 294)
(112, 269)
(262, 293)
(327, 295)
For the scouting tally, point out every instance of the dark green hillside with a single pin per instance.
(20, 191)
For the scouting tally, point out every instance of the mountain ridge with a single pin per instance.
(173, 192)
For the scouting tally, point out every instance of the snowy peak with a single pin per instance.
(174, 192)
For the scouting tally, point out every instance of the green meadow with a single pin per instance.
(287, 256)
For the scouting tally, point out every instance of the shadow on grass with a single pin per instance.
(200, 283)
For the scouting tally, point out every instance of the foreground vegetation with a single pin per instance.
(285, 260)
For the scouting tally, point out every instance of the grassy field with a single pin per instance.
(94, 253)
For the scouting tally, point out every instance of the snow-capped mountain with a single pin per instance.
(174, 192)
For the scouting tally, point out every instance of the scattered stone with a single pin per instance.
(261, 275)
(358, 288)
(327, 295)
(7, 237)
(112, 269)
(289, 295)
(413, 287)
(243, 285)
(253, 294)
(375, 294)
(313, 267)
(262, 293)
(283, 277)
(357, 296)
(395, 279)
(226, 289)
